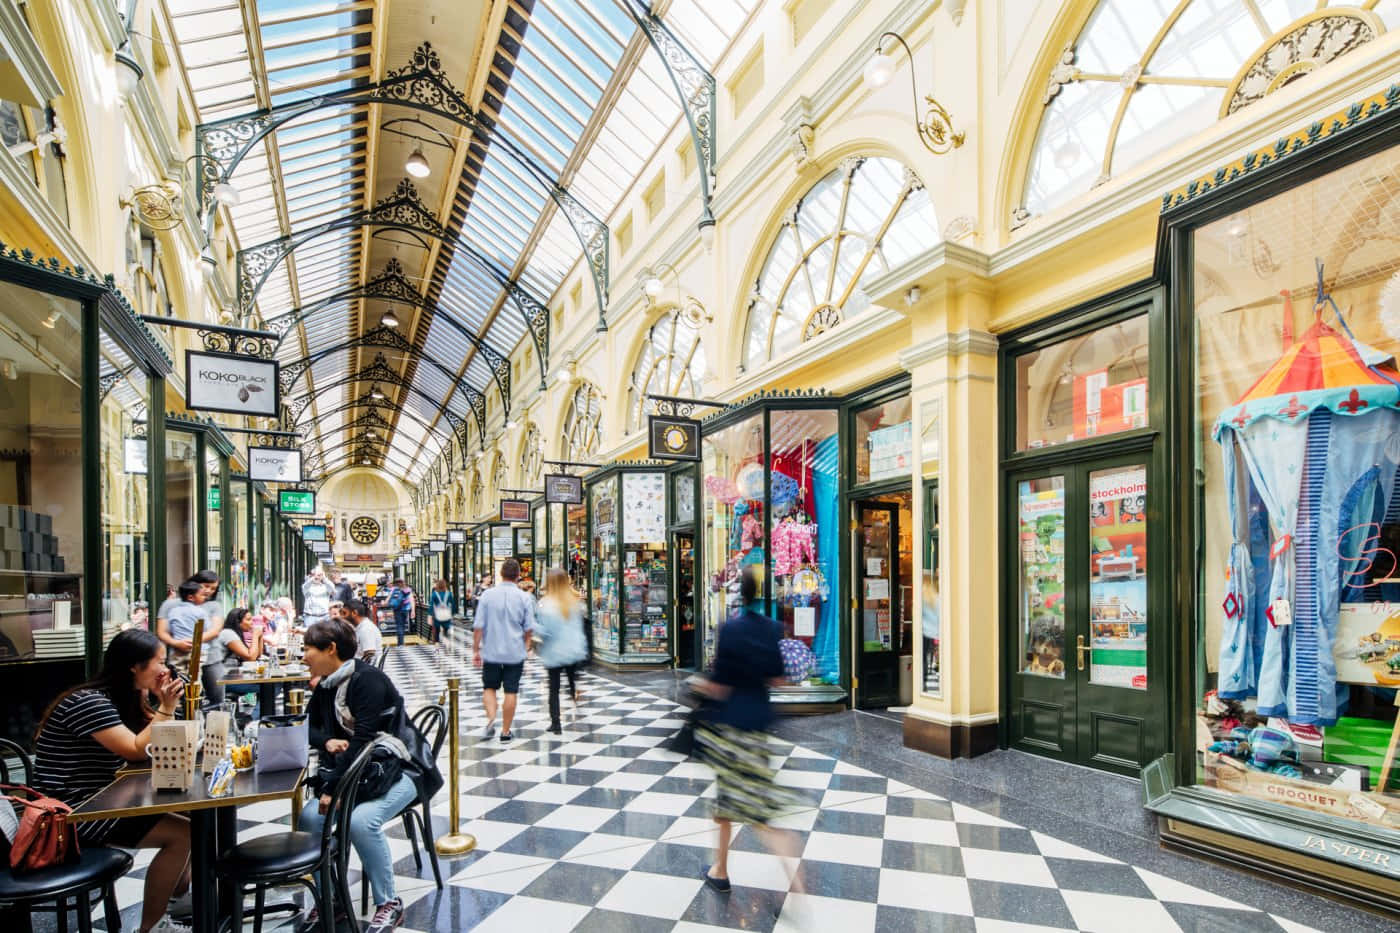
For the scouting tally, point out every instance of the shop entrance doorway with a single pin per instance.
(683, 549)
(883, 550)
(1078, 573)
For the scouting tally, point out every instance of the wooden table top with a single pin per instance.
(131, 794)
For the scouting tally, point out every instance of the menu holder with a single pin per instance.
(172, 749)
(217, 726)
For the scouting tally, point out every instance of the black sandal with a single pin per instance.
(719, 884)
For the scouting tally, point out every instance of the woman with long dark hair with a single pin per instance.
(92, 730)
(228, 649)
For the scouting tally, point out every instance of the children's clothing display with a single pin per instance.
(1310, 454)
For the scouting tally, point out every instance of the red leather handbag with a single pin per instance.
(44, 838)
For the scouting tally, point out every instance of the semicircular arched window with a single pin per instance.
(1144, 74)
(861, 220)
(583, 423)
(670, 362)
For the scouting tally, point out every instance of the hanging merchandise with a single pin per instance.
(798, 660)
(749, 481)
(722, 489)
(782, 492)
(1309, 458)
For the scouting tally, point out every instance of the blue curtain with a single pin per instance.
(827, 645)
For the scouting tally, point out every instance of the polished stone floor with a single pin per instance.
(604, 829)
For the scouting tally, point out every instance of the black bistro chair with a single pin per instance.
(431, 723)
(97, 869)
(289, 858)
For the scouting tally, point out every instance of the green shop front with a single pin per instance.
(630, 598)
(79, 556)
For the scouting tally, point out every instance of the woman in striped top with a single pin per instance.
(90, 731)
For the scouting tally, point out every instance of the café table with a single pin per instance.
(213, 824)
(268, 685)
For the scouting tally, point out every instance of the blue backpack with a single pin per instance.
(396, 599)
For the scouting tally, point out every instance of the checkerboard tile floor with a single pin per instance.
(602, 828)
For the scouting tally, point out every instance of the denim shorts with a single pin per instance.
(493, 675)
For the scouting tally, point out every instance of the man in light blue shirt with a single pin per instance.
(505, 616)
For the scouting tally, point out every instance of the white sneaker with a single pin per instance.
(167, 925)
(182, 906)
(488, 730)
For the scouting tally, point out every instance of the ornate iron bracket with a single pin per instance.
(677, 406)
(220, 339)
(420, 84)
(695, 87)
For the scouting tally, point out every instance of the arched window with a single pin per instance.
(670, 362)
(1144, 74)
(532, 456)
(858, 222)
(583, 423)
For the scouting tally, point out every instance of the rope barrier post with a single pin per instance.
(455, 842)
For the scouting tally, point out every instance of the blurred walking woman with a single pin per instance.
(732, 738)
(559, 626)
(443, 606)
(92, 730)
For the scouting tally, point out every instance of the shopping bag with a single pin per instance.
(283, 744)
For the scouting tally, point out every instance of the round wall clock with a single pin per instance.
(364, 530)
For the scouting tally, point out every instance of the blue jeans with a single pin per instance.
(367, 834)
(400, 624)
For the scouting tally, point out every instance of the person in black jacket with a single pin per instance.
(732, 738)
(353, 705)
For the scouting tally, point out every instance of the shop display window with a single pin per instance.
(1297, 434)
(645, 570)
(1040, 505)
(1087, 386)
(683, 495)
(125, 491)
(602, 557)
(576, 544)
(238, 575)
(771, 501)
(884, 441)
(181, 490)
(541, 523)
(41, 479)
(804, 499)
(733, 531)
(213, 515)
(931, 617)
(556, 535)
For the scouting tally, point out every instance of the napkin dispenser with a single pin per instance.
(217, 726)
(172, 749)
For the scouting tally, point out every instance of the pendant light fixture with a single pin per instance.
(417, 164)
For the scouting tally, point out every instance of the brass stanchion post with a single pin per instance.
(455, 842)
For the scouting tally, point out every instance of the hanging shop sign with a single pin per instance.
(515, 510)
(313, 532)
(563, 489)
(216, 499)
(296, 502)
(672, 438)
(274, 464)
(232, 384)
(456, 537)
(437, 546)
(134, 455)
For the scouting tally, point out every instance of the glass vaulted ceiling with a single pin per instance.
(553, 63)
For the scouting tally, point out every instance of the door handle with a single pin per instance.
(1079, 650)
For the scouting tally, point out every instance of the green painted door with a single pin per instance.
(1085, 628)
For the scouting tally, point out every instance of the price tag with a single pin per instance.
(1280, 613)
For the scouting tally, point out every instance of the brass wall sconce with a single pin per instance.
(936, 128)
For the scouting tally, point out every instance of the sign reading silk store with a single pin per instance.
(232, 384)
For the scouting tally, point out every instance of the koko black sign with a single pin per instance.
(233, 384)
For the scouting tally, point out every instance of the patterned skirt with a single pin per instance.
(745, 788)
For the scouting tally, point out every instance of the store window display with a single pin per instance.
(645, 571)
(41, 491)
(602, 559)
(771, 499)
(125, 491)
(214, 513)
(1297, 310)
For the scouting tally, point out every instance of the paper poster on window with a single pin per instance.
(804, 622)
(890, 450)
(1118, 576)
(644, 508)
(877, 588)
(1367, 647)
(874, 566)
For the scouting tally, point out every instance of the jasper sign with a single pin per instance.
(225, 382)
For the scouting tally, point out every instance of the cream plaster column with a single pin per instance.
(952, 365)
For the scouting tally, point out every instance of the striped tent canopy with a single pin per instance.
(1324, 369)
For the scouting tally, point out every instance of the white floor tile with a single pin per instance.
(502, 872)
(652, 895)
(608, 851)
(1169, 889)
(534, 914)
(1105, 913)
(1007, 867)
(850, 801)
(843, 849)
(582, 819)
(916, 890)
(551, 792)
(1058, 848)
(805, 913)
(632, 780)
(665, 804)
(916, 829)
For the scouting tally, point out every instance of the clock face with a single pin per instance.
(364, 530)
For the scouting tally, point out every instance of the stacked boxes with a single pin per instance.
(27, 541)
